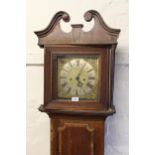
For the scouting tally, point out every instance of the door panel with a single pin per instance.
(76, 139)
(77, 136)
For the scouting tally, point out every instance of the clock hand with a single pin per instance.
(77, 78)
(80, 84)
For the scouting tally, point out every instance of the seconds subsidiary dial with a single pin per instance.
(77, 77)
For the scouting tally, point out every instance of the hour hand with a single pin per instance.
(79, 84)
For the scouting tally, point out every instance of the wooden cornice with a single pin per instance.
(99, 34)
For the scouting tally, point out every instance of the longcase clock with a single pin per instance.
(78, 83)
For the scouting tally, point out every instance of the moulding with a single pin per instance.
(100, 34)
(37, 59)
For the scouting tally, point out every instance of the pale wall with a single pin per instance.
(39, 14)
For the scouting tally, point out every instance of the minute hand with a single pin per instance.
(80, 71)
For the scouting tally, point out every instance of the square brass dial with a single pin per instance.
(77, 76)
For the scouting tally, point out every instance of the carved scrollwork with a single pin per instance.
(57, 17)
(99, 34)
(89, 15)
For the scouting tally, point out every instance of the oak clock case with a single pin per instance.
(78, 83)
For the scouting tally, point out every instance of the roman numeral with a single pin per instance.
(70, 64)
(62, 77)
(65, 70)
(90, 85)
(69, 89)
(64, 84)
(76, 93)
(90, 70)
(91, 78)
(78, 62)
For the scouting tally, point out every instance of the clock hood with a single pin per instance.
(100, 34)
